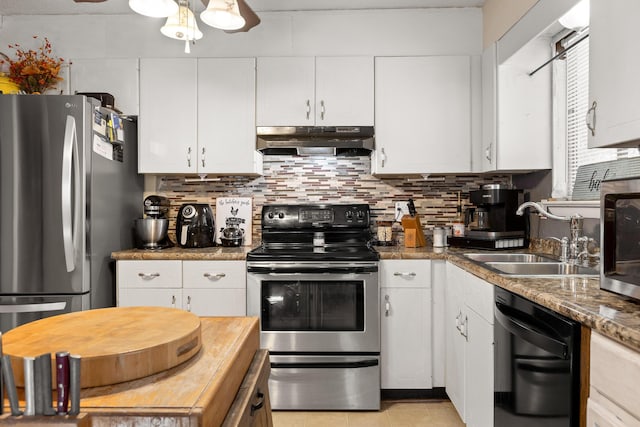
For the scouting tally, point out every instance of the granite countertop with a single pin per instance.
(581, 299)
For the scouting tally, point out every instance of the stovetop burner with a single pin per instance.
(315, 233)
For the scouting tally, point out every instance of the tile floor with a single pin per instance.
(402, 413)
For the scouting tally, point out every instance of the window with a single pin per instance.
(572, 78)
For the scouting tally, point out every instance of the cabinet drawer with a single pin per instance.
(149, 274)
(615, 372)
(603, 413)
(215, 274)
(155, 297)
(405, 273)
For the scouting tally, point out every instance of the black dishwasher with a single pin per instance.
(537, 365)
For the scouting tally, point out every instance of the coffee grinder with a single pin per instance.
(501, 228)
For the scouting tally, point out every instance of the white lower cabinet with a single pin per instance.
(405, 354)
(469, 346)
(614, 377)
(206, 288)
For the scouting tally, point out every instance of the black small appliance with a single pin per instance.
(195, 227)
(501, 227)
(151, 230)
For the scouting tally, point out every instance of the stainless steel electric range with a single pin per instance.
(314, 285)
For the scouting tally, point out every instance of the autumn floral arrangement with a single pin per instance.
(34, 71)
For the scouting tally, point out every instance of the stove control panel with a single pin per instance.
(314, 216)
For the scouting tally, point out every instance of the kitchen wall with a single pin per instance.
(498, 16)
(291, 179)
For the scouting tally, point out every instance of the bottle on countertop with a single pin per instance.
(458, 221)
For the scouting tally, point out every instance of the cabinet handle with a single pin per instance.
(387, 305)
(487, 152)
(463, 328)
(591, 113)
(214, 276)
(189, 157)
(202, 157)
(173, 301)
(458, 320)
(383, 156)
(148, 276)
(189, 303)
(322, 110)
(308, 109)
(259, 405)
(411, 274)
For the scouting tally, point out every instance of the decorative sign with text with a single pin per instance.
(589, 177)
(234, 211)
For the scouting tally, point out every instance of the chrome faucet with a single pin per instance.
(576, 243)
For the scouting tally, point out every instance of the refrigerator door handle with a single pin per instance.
(69, 147)
(32, 308)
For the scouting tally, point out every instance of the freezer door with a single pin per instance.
(42, 188)
(16, 311)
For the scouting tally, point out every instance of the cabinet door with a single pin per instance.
(614, 67)
(157, 297)
(344, 91)
(489, 113)
(405, 338)
(215, 302)
(479, 371)
(285, 91)
(149, 274)
(423, 114)
(455, 342)
(226, 115)
(168, 114)
(117, 76)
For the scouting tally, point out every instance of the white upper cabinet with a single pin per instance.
(226, 116)
(422, 115)
(614, 66)
(204, 123)
(307, 91)
(168, 116)
(516, 110)
(116, 76)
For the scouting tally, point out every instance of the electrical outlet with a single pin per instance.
(402, 208)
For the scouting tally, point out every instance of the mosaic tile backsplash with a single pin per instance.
(292, 179)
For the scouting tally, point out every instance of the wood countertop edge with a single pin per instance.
(213, 409)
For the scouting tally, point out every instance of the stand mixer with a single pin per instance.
(151, 231)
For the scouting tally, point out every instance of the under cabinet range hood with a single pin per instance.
(316, 140)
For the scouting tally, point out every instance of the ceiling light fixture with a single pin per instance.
(223, 14)
(182, 26)
(154, 8)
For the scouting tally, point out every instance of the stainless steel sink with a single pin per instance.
(504, 257)
(541, 269)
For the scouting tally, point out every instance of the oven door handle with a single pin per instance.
(327, 365)
(287, 271)
(529, 332)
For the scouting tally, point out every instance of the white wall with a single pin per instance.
(361, 32)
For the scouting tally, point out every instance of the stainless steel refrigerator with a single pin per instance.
(69, 191)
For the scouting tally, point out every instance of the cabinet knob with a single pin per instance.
(487, 152)
(322, 110)
(387, 305)
(308, 109)
(173, 301)
(148, 276)
(189, 157)
(189, 303)
(202, 157)
(383, 156)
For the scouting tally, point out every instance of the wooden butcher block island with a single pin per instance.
(224, 382)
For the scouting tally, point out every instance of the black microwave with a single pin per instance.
(620, 236)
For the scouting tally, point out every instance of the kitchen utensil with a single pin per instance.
(29, 386)
(10, 385)
(150, 232)
(195, 227)
(43, 383)
(74, 391)
(62, 381)
(439, 237)
(232, 236)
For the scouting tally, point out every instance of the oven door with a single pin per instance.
(620, 205)
(315, 307)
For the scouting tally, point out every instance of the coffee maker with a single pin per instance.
(496, 225)
(195, 227)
